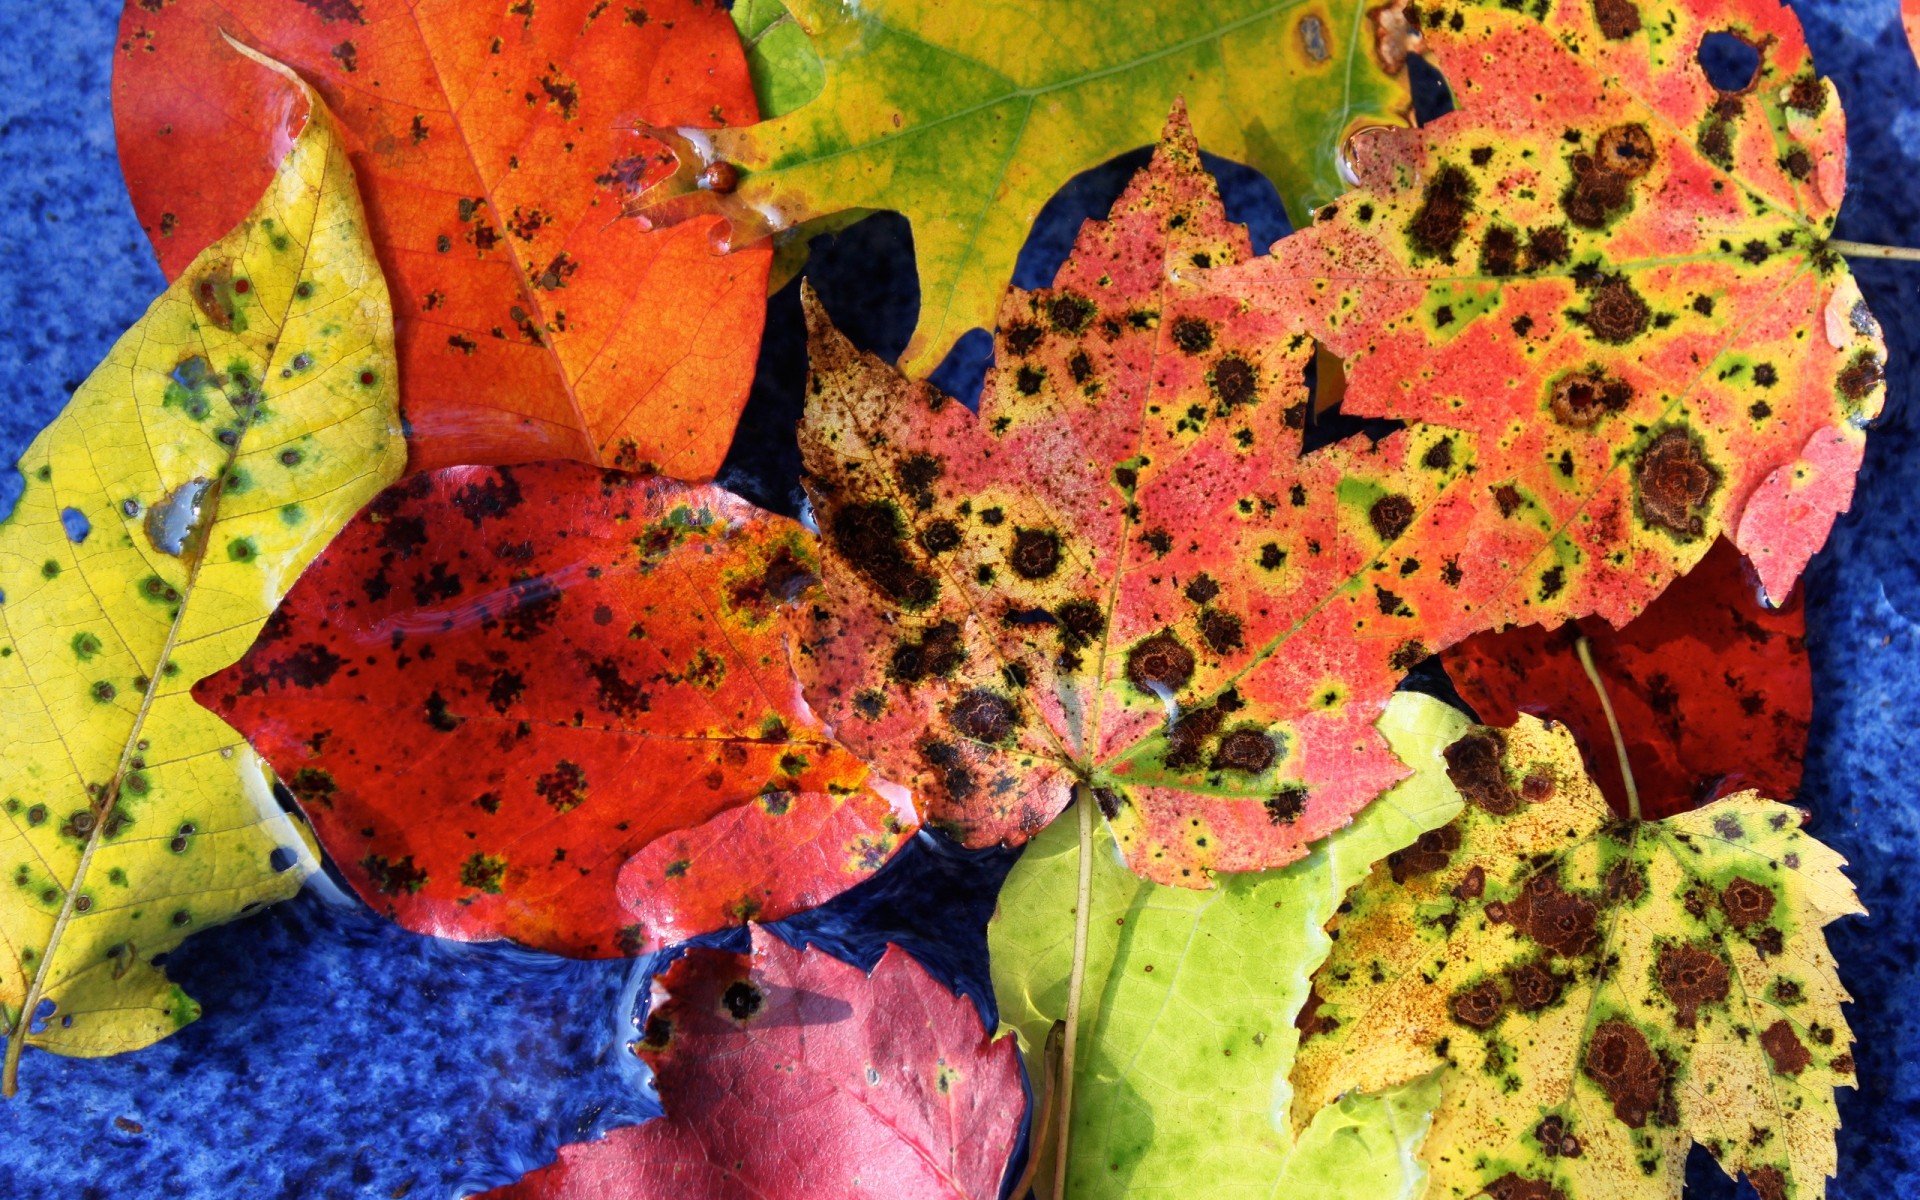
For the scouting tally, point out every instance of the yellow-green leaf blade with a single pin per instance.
(227, 436)
(1187, 1020)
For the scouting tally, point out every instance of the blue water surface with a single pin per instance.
(340, 1056)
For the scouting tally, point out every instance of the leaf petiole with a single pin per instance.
(1584, 649)
(1871, 250)
(1083, 808)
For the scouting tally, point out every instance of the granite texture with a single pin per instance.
(342, 1057)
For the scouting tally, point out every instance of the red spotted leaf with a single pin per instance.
(1710, 685)
(499, 684)
(793, 1076)
(495, 144)
(1122, 571)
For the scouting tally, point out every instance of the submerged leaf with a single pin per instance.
(1711, 687)
(967, 118)
(793, 1076)
(497, 144)
(1187, 1017)
(1604, 992)
(224, 440)
(501, 683)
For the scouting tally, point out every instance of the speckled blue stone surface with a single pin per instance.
(342, 1057)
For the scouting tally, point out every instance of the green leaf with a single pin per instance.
(786, 72)
(225, 439)
(1187, 1015)
(967, 118)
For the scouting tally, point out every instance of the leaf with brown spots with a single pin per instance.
(1616, 278)
(495, 144)
(1122, 572)
(500, 684)
(1605, 992)
(793, 1076)
(1710, 685)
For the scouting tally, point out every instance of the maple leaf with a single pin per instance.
(1121, 573)
(219, 446)
(1710, 685)
(968, 118)
(496, 144)
(1910, 20)
(1189, 1001)
(792, 1074)
(1604, 991)
(500, 684)
(1619, 279)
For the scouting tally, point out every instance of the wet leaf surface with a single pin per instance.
(226, 438)
(502, 683)
(496, 144)
(1711, 687)
(791, 1074)
(1604, 993)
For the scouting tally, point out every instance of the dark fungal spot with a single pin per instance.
(917, 474)
(1691, 976)
(1480, 156)
(1557, 919)
(872, 539)
(564, 787)
(1036, 553)
(493, 496)
(1766, 375)
(1431, 853)
(1745, 902)
(1022, 336)
(1798, 163)
(1480, 1006)
(390, 877)
(1436, 226)
(1233, 380)
(741, 1000)
(1193, 335)
(1188, 735)
(994, 516)
(1474, 764)
(1070, 312)
(936, 653)
(1672, 478)
(1534, 987)
(1500, 252)
(1390, 515)
(1439, 456)
(1159, 661)
(1202, 588)
(1617, 19)
(1515, 1186)
(1246, 750)
(1080, 622)
(1272, 556)
(1028, 380)
(1615, 312)
(1623, 1064)
(1580, 400)
(1808, 95)
(1285, 806)
(983, 716)
(951, 768)
(940, 537)
(1220, 630)
(1789, 1054)
(1625, 150)
(1860, 376)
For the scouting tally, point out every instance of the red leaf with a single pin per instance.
(1711, 687)
(495, 144)
(499, 684)
(791, 1075)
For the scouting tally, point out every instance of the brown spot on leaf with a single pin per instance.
(1691, 976)
(872, 539)
(1246, 750)
(1310, 1021)
(1221, 630)
(1193, 335)
(1512, 1186)
(1672, 478)
(1557, 919)
(1438, 223)
(1479, 1006)
(1474, 764)
(1234, 381)
(1431, 853)
(1789, 1054)
(1615, 313)
(1617, 18)
(1036, 553)
(1160, 661)
(1534, 986)
(1623, 1064)
(983, 716)
(937, 652)
(1390, 516)
(1581, 399)
(1625, 150)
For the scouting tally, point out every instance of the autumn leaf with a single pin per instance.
(224, 440)
(499, 684)
(1618, 278)
(1189, 1002)
(497, 143)
(793, 1075)
(1605, 992)
(1710, 685)
(1121, 573)
(1910, 20)
(967, 118)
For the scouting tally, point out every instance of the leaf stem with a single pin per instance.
(1083, 807)
(1584, 649)
(1871, 250)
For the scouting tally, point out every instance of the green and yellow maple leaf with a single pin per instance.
(1187, 1021)
(224, 440)
(967, 118)
(1605, 992)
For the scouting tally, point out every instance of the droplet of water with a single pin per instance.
(174, 524)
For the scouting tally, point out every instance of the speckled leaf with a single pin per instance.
(224, 440)
(968, 117)
(1618, 279)
(793, 1076)
(1187, 1015)
(497, 143)
(1604, 992)
(1122, 571)
(501, 683)
(1711, 687)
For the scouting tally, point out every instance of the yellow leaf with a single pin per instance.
(227, 436)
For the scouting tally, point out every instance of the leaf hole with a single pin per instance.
(76, 524)
(282, 859)
(1729, 60)
(42, 1014)
(1320, 419)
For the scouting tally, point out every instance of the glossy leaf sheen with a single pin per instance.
(501, 683)
(967, 118)
(224, 440)
(497, 144)
(794, 1075)
(1710, 685)
(1617, 279)
(1190, 997)
(1121, 571)
(1605, 992)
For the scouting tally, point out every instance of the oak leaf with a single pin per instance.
(192, 476)
(1605, 992)
(496, 144)
(1711, 687)
(499, 684)
(793, 1075)
(967, 118)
